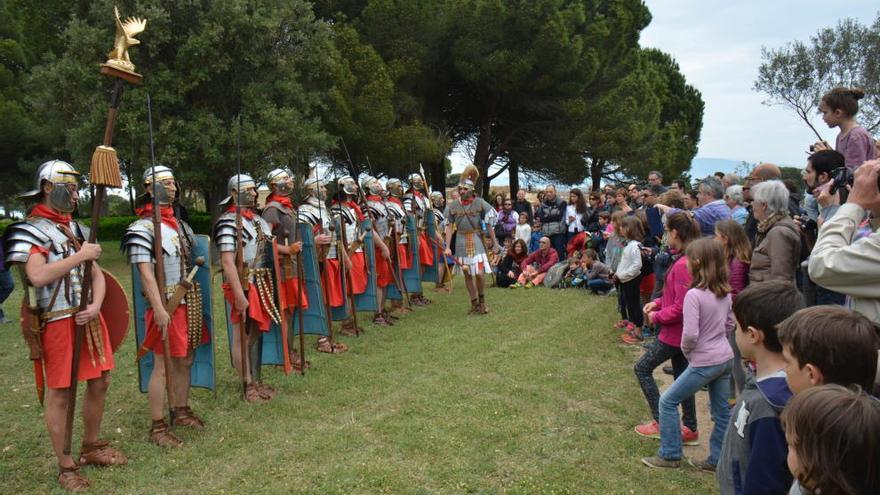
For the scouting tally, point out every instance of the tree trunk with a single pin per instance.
(597, 166)
(213, 194)
(484, 142)
(513, 174)
(438, 175)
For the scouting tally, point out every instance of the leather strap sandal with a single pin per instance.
(254, 396)
(70, 479)
(100, 453)
(266, 390)
(160, 434)
(184, 416)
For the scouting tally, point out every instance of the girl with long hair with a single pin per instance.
(509, 269)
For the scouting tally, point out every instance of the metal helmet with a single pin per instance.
(313, 182)
(416, 181)
(242, 185)
(280, 180)
(347, 184)
(394, 187)
(372, 185)
(162, 173)
(437, 199)
(61, 174)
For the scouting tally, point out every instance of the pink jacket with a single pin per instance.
(738, 276)
(669, 313)
(545, 258)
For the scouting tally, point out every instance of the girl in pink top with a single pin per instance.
(708, 318)
(839, 108)
(738, 251)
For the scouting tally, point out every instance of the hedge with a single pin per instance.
(113, 228)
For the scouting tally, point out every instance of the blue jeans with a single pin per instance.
(685, 386)
(6, 286)
(599, 285)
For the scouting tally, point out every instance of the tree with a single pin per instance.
(799, 74)
(205, 64)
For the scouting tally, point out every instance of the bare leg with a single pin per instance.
(471, 286)
(93, 407)
(236, 354)
(180, 366)
(56, 415)
(156, 388)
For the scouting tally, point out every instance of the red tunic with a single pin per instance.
(178, 327)
(332, 282)
(426, 254)
(57, 341)
(384, 276)
(256, 311)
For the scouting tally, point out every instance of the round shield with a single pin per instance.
(115, 310)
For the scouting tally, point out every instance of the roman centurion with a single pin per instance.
(243, 239)
(182, 325)
(280, 213)
(350, 243)
(464, 216)
(51, 250)
(400, 237)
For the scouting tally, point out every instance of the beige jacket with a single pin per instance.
(776, 255)
(851, 268)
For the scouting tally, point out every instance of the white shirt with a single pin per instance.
(524, 232)
(575, 225)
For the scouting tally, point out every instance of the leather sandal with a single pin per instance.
(266, 390)
(160, 434)
(100, 453)
(348, 332)
(184, 416)
(297, 361)
(379, 320)
(390, 317)
(70, 479)
(254, 396)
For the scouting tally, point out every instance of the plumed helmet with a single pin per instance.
(54, 171)
(161, 173)
(238, 183)
(278, 175)
(469, 177)
(347, 184)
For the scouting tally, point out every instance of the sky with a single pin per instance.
(717, 45)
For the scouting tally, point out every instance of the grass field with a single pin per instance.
(537, 397)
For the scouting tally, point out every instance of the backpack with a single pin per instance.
(555, 274)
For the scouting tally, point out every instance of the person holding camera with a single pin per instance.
(839, 108)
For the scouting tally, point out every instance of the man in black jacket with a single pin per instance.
(550, 213)
(522, 205)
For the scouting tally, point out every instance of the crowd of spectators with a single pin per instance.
(767, 298)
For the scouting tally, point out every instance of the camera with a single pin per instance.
(812, 148)
(841, 176)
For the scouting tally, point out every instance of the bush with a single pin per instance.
(113, 228)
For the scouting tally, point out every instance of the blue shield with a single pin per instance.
(315, 317)
(203, 372)
(431, 273)
(412, 276)
(368, 301)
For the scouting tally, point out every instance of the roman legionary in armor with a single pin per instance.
(279, 212)
(51, 250)
(379, 215)
(349, 216)
(417, 204)
(443, 275)
(183, 328)
(314, 212)
(244, 239)
(465, 216)
(397, 227)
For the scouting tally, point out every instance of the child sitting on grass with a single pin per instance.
(833, 436)
(598, 275)
(753, 459)
(707, 318)
(829, 344)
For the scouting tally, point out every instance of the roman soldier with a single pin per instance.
(465, 216)
(243, 239)
(438, 202)
(382, 233)
(350, 217)
(398, 231)
(314, 212)
(279, 212)
(52, 252)
(416, 203)
(184, 327)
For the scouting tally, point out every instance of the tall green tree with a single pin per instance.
(798, 74)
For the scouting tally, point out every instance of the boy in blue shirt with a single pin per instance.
(753, 458)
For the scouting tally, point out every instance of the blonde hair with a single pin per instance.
(632, 228)
(737, 245)
(708, 266)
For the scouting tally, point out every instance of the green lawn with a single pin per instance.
(534, 398)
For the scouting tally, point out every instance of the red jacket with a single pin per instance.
(545, 258)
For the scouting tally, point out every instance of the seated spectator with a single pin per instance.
(523, 230)
(778, 242)
(598, 276)
(754, 452)
(833, 436)
(733, 197)
(829, 344)
(509, 268)
(534, 267)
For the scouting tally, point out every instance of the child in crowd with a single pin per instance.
(613, 250)
(753, 459)
(829, 344)
(738, 251)
(839, 108)
(667, 312)
(535, 241)
(598, 276)
(833, 436)
(523, 229)
(597, 239)
(574, 271)
(707, 318)
(629, 273)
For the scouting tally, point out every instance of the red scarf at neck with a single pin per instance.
(374, 198)
(245, 212)
(466, 202)
(282, 200)
(50, 213)
(165, 211)
(395, 200)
